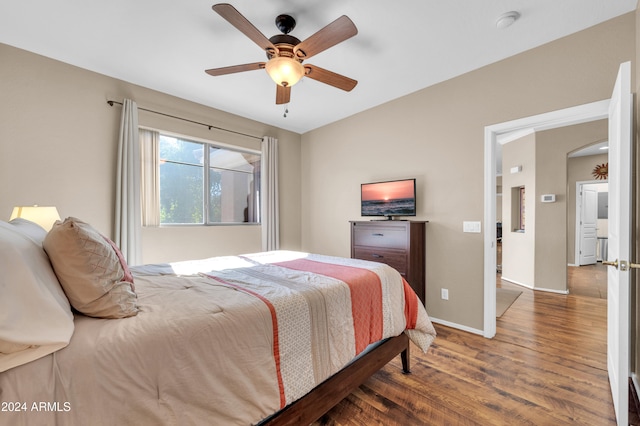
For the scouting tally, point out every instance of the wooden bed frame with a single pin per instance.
(329, 393)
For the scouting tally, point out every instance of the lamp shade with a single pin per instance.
(284, 71)
(43, 216)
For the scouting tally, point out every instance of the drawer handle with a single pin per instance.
(378, 235)
(377, 256)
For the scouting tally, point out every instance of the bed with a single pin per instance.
(265, 338)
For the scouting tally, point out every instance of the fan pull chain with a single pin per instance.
(286, 110)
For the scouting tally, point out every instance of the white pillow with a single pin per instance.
(30, 229)
(35, 315)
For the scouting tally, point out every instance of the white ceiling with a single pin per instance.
(401, 47)
(595, 149)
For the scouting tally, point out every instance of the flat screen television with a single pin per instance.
(388, 199)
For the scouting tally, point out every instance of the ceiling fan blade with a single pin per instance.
(283, 94)
(330, 78)
(334, 33)
(235, 68)
(236, 19)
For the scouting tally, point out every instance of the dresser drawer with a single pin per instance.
(380, 236)
(398, 243)
(397, 259)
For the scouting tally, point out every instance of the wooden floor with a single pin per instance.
(545, 366)
(588, 280)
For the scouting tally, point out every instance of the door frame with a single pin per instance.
(503, 133)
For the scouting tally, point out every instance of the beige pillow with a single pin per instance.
(94, 277)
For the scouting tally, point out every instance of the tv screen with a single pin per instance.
(391, 198)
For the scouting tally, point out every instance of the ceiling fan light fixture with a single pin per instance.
(284, 71)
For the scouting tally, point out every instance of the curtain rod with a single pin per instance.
(210, 126)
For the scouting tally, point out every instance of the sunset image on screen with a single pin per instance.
(393, 198)
(387, 191)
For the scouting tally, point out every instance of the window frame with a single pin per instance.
(206, 168)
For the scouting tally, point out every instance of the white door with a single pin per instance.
(588, 225)
(619, 242)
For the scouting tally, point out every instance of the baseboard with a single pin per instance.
(551, 290)
(502, 277)
(548, 290)
(458, 326)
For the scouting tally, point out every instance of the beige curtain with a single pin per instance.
(150, 185)
(127, 214)
(269, 195)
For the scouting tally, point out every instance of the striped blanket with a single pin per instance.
(325, 311)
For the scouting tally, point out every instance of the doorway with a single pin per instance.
(501, 133)
(619, 112)
(591, 212)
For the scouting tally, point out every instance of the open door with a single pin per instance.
(618, 300)
(588, 226)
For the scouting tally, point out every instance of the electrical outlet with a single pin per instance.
(444, 294)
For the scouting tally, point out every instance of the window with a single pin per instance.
(205, 184)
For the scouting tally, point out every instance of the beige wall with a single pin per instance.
(436, 135)
(552, 228)
(538, 257)
(58, 144)
(519, 248)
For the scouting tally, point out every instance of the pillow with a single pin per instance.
(30, 229)
(35, 316)
(92, 273)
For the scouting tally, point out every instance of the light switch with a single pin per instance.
(473, 227)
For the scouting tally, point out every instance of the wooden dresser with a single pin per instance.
(400, 244)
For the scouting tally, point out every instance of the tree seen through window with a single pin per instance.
(232, 183)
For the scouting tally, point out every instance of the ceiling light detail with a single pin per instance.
(284, 71)
(286, 52)
(506, 19)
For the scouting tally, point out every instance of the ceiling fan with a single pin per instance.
(285, 53)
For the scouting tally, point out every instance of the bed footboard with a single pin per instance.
(325, 396)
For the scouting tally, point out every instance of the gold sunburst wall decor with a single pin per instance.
(601, 171)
